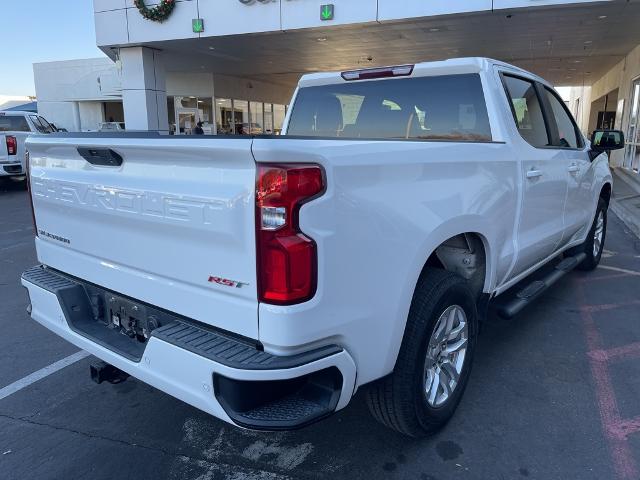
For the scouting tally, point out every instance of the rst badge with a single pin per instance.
(226, 282)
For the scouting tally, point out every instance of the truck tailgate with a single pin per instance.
(172, 226)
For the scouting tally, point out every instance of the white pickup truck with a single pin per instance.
(266, 279)
(15, 127)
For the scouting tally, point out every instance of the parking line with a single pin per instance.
(609, 306)
(621, 270)
(624, 462)
(625, 352)
(42, 373)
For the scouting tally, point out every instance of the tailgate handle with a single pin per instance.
(100, 156)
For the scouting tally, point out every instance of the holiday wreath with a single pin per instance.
(156, 14)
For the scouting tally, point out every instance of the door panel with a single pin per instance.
(579, 174)
(544, 194)
(580, 181)
(543, 177)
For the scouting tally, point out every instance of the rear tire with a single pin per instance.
(405, 400)
(593, 246)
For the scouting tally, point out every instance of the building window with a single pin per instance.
(268, 119)
(224, 116)
(241, 117)
(279, 112)
(257, 119)
(171, 112)
(205, 115)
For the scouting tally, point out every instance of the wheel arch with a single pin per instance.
(481, 249)
(426, 255)
(605, 192)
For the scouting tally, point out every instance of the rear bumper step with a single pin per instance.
(253, 388)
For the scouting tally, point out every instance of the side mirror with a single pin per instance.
(606, 140)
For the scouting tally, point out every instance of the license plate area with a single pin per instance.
(128, 317)
(119, 323)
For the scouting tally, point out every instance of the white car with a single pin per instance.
(266, 279)
(15, 127)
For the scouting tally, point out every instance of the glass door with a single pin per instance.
(632, 150)
(187, 120)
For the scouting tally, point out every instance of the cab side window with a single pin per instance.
(567, 130)
(527, 110)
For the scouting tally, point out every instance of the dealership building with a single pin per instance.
(233, 64)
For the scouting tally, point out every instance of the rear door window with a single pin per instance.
(447, 107)
(568, 136)
(527, 110)
(13, 123)
(41, 124)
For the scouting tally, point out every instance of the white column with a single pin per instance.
(144, 91)
(77, 123)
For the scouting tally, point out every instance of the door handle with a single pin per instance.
(534, 173)
(574, 168)
(100, 156)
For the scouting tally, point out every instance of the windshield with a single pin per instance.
(447, 107)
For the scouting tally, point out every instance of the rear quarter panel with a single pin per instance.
(388, 205)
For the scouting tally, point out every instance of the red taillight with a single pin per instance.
(12, 145)
(28, 169)
(287, 258)
(384, 72)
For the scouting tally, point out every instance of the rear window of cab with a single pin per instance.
(13, 123)
(446, 108)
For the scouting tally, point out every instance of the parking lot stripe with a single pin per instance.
(627, 427)
(624, 352)
(42, 373)
(596, 278)
(623, 460)
(609, 306)
(621, 270)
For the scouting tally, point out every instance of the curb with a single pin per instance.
(629, 215)
(629, 218)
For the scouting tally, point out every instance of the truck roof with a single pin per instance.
(14, 113)
(440, 67)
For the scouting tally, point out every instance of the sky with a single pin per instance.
(41, 31)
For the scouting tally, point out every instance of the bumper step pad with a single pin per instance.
(220, 347)
(233, 352)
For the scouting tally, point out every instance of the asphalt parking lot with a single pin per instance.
(554, 395)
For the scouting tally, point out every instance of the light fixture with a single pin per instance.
(602, 17)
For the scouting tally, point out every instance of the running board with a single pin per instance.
(512, 304)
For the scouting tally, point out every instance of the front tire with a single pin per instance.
(435, 358)
(593, 246)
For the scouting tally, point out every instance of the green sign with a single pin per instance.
(198, 25)
(326, 12)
